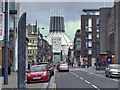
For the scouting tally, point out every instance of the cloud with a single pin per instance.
(40, 11)
(71, 27)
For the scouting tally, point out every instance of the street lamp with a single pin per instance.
(40, 44)
(61, 53)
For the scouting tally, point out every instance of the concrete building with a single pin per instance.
(12, 32)
(57, 37)
(45, 50)
(1, 6)
(109, 32)
(90, 35)
(77, 47)
(32, 36)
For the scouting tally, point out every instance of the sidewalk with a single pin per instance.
(0, 83)
(12, 83)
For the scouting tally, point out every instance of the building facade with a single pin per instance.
(77, 47)
(36, 54)
(90, 35)
(32, 46)
(109, 32)
(57, 37)
(12, 32)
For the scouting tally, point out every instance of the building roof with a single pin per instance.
(65, 40)
(90, 10)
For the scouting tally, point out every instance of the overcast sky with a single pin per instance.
(40, 11)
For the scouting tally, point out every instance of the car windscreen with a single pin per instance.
(38, 68)
(63, 65)
(115, 67)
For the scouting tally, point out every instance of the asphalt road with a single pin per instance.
(78, 79)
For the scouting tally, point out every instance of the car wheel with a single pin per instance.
(109, 75)
(106, 75)
(28, 82)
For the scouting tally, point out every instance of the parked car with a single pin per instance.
(63, 67)
(112, 70)
(49, 66)
(38, 73)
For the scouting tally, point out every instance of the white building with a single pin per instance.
(58, 38)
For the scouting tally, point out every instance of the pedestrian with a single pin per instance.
(72, 63)
(29, 65)
(79, 63)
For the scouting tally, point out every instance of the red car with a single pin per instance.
(38, 73)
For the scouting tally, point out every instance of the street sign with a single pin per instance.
(109, 60)
(1, 26)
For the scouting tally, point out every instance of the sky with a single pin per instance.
(40, 11)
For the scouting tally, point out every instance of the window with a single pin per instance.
(89, 22)
(33, 40)
(89, 51)
(89, 36)
(28, 51)
(77, 47)
(89, 43)
(89, 29)
(98, 36)
(97, 29)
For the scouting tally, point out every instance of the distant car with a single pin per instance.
(112, 70)
(63, 67)
(49, 66)
(38, 73)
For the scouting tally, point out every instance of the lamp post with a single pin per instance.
(61, 53)
(40, 45)
(6, 44)
(7, 12)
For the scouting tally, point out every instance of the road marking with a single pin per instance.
(81, 78)
(87, 81)
(100, 76)
(105, 77)
(96, 87)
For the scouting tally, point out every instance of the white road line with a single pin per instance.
(77, 75)
(105, 77)
(81, 78)
(96, 87)
(87, 81)
(102, 76)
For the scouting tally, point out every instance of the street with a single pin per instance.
(78, 78)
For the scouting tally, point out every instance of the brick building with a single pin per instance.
(90, 35)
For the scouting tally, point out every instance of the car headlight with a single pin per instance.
(44, 74)
(28, 75)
